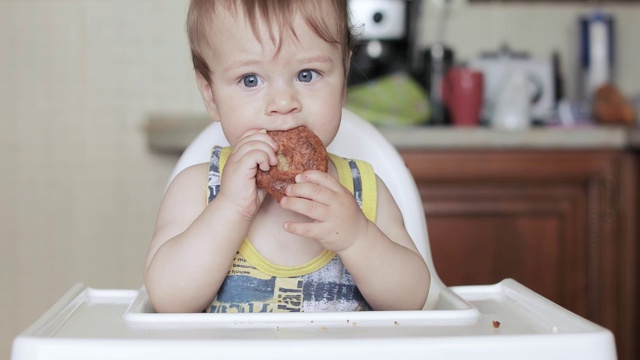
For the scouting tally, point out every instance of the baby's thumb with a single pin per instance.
(261, 195)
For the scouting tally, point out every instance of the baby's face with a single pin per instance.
(255, 86)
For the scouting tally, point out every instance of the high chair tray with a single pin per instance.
(506, 321)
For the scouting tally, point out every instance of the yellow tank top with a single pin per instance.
(254, 284)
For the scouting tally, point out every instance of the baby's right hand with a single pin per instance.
(253, 152)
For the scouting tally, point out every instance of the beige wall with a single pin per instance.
(78, 188)
(78, 78)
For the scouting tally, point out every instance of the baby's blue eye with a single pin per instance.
(306, 75)
(251, 81)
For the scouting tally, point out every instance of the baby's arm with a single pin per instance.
(194, 244)
(385, 262)
(192, 247)
(381, 257)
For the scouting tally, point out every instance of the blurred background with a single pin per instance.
(81, 79)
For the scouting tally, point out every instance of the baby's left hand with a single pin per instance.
(338, 221)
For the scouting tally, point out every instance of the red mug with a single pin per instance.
(463, 93)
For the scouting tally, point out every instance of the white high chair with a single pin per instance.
(501, 321)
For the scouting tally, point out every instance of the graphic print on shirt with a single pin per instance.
(330, 288)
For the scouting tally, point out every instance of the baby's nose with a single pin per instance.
(283, 99)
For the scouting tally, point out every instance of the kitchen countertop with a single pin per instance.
(452, 138)
(171, 134)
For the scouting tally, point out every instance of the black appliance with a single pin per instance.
(385, 32)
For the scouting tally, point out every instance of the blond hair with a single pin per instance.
(275, 13)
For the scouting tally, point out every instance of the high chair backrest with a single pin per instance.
(356, 139)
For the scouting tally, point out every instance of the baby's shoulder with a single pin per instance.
(189, 178)
(185, 196)
(194, 170)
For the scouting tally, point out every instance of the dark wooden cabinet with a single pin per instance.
(562, 223)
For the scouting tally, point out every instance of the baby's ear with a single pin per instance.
(206, 92)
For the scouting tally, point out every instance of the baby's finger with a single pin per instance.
(253, 131)
(319, 178)
(252, 146)
(312, 209)
(263, 159)
(257, 135)
(308, 230)
(311, 191)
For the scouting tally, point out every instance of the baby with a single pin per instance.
(273, 65)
